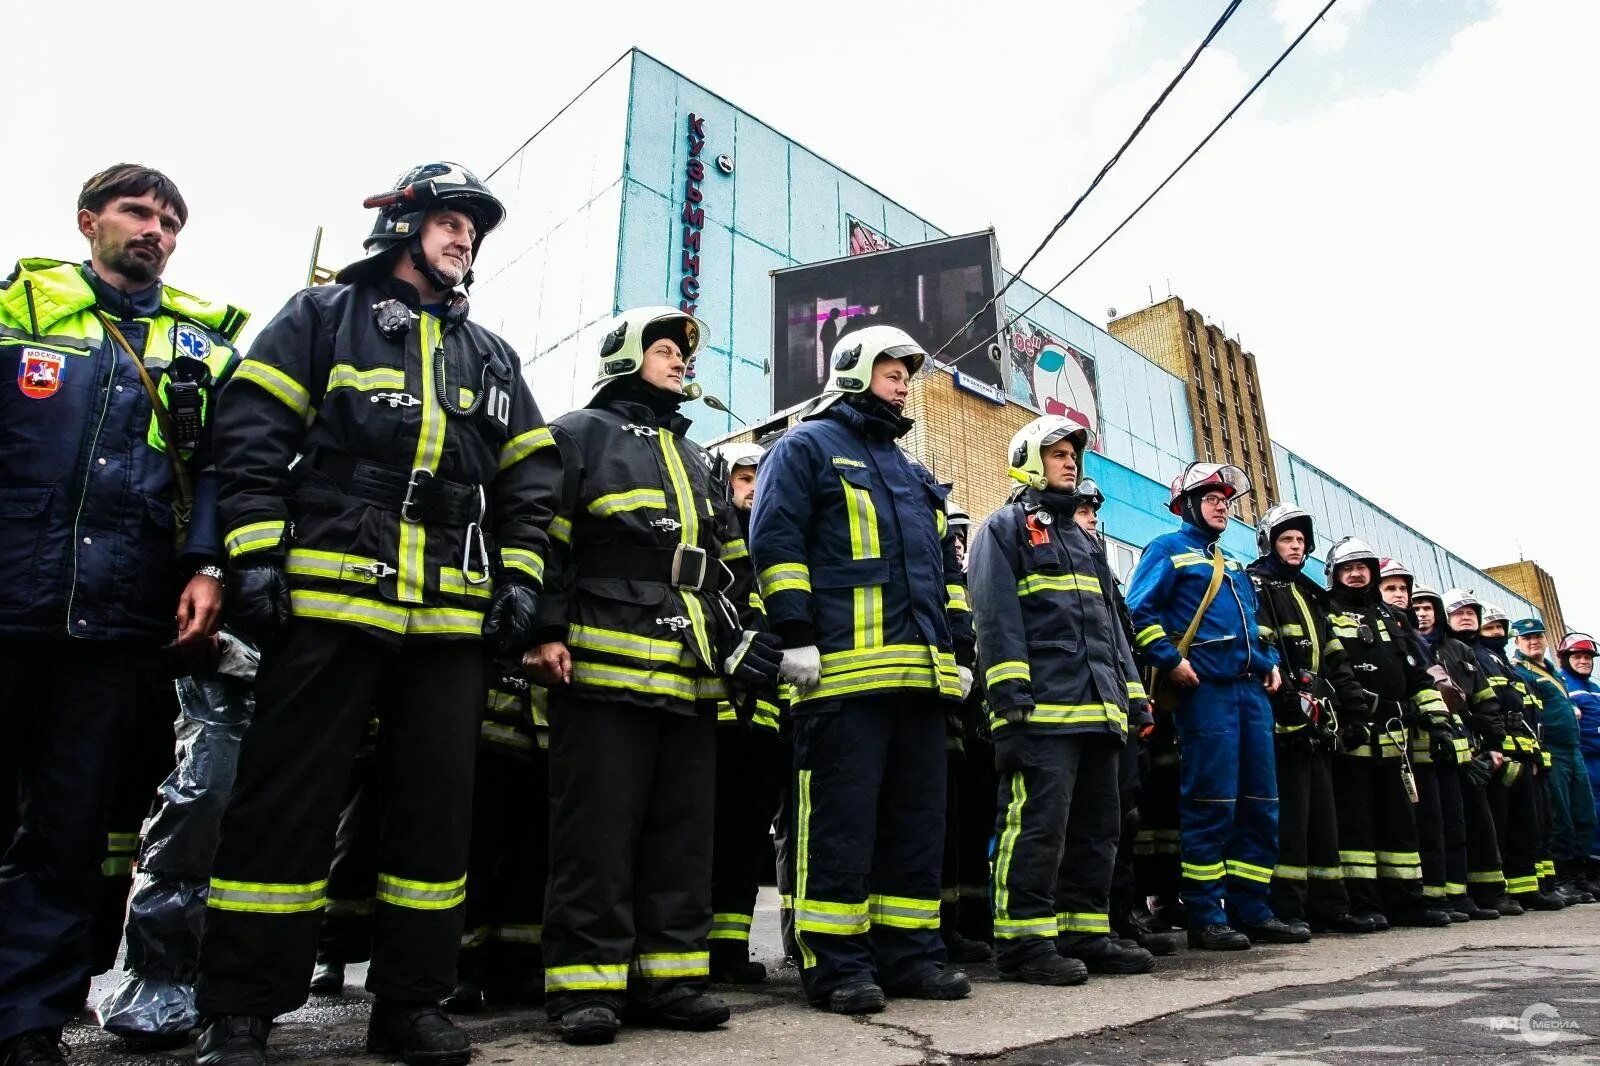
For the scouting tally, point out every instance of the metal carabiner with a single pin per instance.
(475, 538)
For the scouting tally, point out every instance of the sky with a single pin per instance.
(1400, 225)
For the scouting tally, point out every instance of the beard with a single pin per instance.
(138, 263)
(450, 269)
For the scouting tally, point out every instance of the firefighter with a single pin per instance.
(1572, 815)
(636, 635)
(1576, 653)
(1308, 888)
(1058, 676)
(364, 571)
(1520, 811)
(1465, 861)
(501, 963)
(859, 575)
(1195, 620)
(750, 769)
(109, 548)
(1377, 827)
(1436, 745)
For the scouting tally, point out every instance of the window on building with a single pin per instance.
(1193, 347)
(1124, 558)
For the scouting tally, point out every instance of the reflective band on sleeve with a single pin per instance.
(276, 384)
(523, 445)
(662, 966)
(255, 536)
(785, 577)
(1148, 635)
(524, 561)
(454, 582)
(735, 549)
(1013, 670)
(421, 895)
(604, 977)
(561, 529)
(956, 598)
(261, 898)
(1136, 691)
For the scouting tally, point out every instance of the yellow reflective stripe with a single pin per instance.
(618, 642)
(523, 560)
(332, 566)
(735, 549)
(1136, 691)
(868, 680)
(1058, 583)
(1012, 670)
(263, 898)
(1017, 928)
(1325, 873)
(862, 519)
(1289, 873)
(455, 583)
(505, 735)
(785, 577)
(1006, 850)
(1148, 635)
(802, 862)
(956, 598)
(698, 626)
(339, 607)
(1485, 877)
(655, 682)
(430, 444)
(1083, 922)
(1071, 714)
(122, 841)
(437, 621)
(1248, 871)
(602, 977)
(1520, 885)
(730, 927)
(345, 376)
(561, 529)
(835, 919)
(523, 445)
(1309, 629)
(682, 489)
(421, 895)
(518, 934)
(276, 384)
(664, 965)
(116, 866)
(903, 912)
(631, 500)
(1208, 872)
(867, 614)
(254, 536)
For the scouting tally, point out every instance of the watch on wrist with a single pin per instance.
(210, 570)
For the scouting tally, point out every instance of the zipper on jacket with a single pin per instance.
(83, 491)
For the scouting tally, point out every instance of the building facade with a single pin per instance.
(1533, 583)
(651, 189)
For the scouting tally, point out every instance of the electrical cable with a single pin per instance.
(1164, 182)
(1116, 156)
(557, 115)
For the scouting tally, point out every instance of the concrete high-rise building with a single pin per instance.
(1224, 390)
(1533, 583)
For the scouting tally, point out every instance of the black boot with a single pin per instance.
(940, 983)
(1046, 968)
(958, 948)
(1101, 954)
(861, 997)
(1475, 911)
(1275, 931)
(1158, 944)
(685, 1007)
(33, 1048)
(1344, 923)
(1218, 938)
(731, 963)
(465, 998)
(594, 1023)
(418, 1034)
(232, 1040)
(1509, 908)
(1423, 918)
(1540, 901)
(328, 978)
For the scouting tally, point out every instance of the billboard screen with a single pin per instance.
(1054, 378)
(929, 290)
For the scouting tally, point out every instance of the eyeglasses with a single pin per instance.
(1214, 499)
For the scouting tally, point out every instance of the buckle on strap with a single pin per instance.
(414, 489)
(689, 567)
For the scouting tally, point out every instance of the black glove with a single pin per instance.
(508, 624)
(1478, 770)
(1442, 743)
(1353, 735)
(751, 658)
(258, 603)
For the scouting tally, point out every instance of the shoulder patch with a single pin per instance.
(190, 340)
(39, 373)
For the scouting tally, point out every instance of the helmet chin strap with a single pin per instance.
(427, 269)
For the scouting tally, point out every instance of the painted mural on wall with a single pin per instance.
(1054, 378)
(864, 239)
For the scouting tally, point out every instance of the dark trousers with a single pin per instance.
(1377, 836)
(783, 843)
(507, 871)
(1156, 861)
(1441, 832)
(314, 696)
(632, 807)
(1057, 828)
(1572, 814)
(1486, 880)
(869, 836)
(1515, 810)
(353, 874)
(1125, 899)
(1308, 882)
(748, 777)
(974, 837)
(64, 709)
(1228, 808)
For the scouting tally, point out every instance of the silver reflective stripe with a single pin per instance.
(421, 895)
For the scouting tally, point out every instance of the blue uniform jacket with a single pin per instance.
(1166, 590)
(852, 553)
(1585, 697)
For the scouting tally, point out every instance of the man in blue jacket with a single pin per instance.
(858, 572)
(1194, 620)
(1577, 652)
(109, 547)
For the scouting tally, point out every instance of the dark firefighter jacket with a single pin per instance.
(87, 541)
(1519, 707)
(516, 718)
(425, 474)
(1293, 610)
(1049, 635)
(1390, 667)
(766, 708)
(853, 554)
(645, 562)
(1481, 717)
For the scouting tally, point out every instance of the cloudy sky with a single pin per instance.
(1401, 226)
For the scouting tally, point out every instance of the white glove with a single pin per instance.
(802, 667)
(966, 681)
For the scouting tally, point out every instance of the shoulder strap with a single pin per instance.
(183, 505)
(1205, 602)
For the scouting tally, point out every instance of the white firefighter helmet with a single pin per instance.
(855, 353)
(627, 336)
(733, 455)
(1351, 550)
(1388, 567)
(955, 517)
(1493, 613)
(1419, 591)
(1026, 453)
(1199, 476)
(1456, 599)
(1280, 518)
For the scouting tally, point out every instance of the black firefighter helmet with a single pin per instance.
(403, 209)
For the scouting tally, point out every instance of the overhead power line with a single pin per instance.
(1156, 191)
(1222, 21)
(558, 114)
